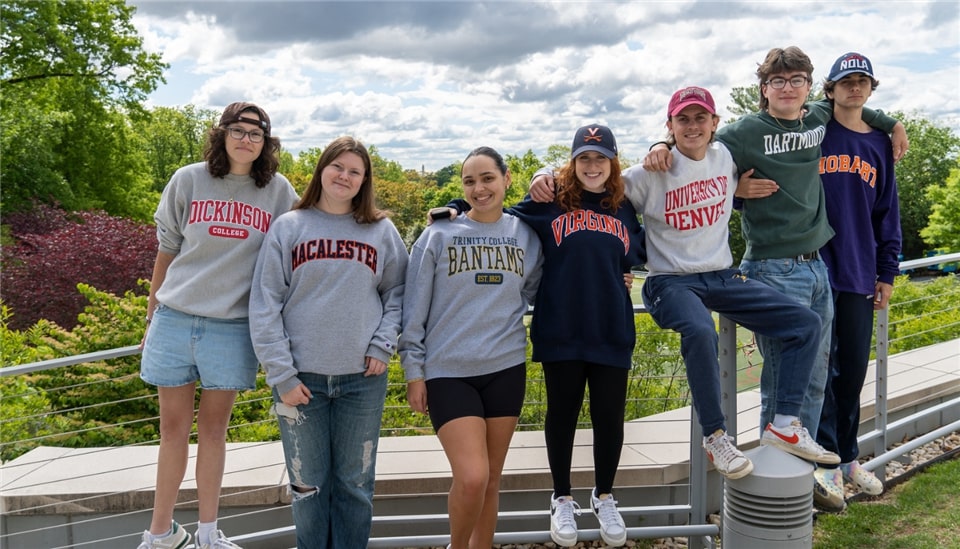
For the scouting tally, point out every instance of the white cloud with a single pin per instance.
(428, 81)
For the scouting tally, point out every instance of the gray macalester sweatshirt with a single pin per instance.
(327, 293)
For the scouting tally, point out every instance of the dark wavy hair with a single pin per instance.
(570, 189)
(779, 60)
(218, 163)
(364, 203)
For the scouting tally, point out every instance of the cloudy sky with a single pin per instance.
(427, 81)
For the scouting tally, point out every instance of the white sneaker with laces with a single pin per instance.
(177, 539)
(218, 541)
(563, 525)
(864, 480)
(794, 439)
(612, 529)
(726, 458)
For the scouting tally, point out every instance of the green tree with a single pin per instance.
(557, 155)
(172, 137)
(78, 71)
(521, 169)
(943, 230)
(934, 150)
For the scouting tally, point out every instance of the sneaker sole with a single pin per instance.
(614, 542)
(734, 475)
(830, 459)
(562, 542)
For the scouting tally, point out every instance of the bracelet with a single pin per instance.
(659, 143)
(147, 320)
(414, 380)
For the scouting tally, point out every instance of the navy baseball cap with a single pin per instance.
(594, 138)
(850, 63)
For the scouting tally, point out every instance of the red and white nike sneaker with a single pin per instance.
(794, 439)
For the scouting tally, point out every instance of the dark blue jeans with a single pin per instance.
(849, 356)
(683, 303)
(331, 452)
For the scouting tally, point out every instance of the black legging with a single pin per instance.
(565, 383)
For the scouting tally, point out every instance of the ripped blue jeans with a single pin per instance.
(330, 447)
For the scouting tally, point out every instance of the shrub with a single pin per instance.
(53, 251)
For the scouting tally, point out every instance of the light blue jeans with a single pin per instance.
(330, 446)
(807, 282)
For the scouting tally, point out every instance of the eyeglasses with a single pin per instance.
(255, 136)
(795, 82)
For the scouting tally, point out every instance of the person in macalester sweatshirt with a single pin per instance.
(325, 313)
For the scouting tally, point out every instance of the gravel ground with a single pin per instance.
(895, 469)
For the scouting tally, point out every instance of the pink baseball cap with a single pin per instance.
(691, 95)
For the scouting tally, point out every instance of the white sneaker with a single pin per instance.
(726, 458)
(612, 529)
(794, 439)
(563, 526)
(177, 539)
(864, 480)
(218, 541)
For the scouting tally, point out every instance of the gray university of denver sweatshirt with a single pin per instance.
(327, 293)
(468, 287)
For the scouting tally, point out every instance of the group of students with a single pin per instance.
(323, 294)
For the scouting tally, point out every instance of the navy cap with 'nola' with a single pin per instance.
(850, 63)
(594, 138)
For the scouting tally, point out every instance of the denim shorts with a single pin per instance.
(182, 348)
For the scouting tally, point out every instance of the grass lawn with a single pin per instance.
(923, 513)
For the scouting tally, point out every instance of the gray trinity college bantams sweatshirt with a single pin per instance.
(327, 293)
(468, 287)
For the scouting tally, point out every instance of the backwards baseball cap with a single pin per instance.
(850, 63)
(244, 112)
(594, 138)
(691, 95)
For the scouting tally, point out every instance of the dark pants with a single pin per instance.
(566, 382)
(684, 303)
(849, 355)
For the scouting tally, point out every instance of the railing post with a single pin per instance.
(698, 480)
(727, 348)
(880, 420)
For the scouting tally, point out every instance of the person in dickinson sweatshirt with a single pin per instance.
(463, 343)
(211, 220)
(325, 314)
(583, 329)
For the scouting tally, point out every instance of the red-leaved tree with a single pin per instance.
(55, 250)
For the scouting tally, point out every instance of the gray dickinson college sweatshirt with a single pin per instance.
(214, 228)
(468, 287)
(326, 294)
